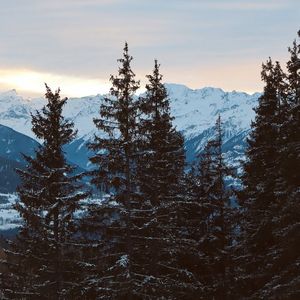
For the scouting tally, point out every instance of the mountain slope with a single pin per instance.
(12, 144)
(195, 112)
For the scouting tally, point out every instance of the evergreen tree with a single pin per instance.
(157, 164)
(42, 262)
(217, 219)
(291, 136)
(162, 243)
(115, 161)
(284, 278)
(259, 199)
(162, 160)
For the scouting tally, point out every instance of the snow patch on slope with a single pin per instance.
(9, 217)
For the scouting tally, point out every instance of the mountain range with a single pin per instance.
(195, 112)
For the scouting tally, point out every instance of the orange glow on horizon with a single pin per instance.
(32, 83)
(227, 77)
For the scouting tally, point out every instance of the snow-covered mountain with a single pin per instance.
(195, 113)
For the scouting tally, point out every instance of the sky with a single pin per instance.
(75, 44)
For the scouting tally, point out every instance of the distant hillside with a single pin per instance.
(12, 144)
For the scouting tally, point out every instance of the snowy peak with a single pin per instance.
(195, 112)
(190, 108)
(9, 94)
(9, 98)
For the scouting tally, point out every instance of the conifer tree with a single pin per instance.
(42, 261)
(259, 199)
(268, 253)
(284, 277)
(115, 161)
(161, 165)
(155, 236)
(162, 147)
(291, 136)
(217, 214)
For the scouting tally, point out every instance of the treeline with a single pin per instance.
(159, 232)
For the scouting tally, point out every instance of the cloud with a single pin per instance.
(84, 38)
(245, 5)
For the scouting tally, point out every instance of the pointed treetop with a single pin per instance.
(267, 69)
(48, 89)
(156, 70)
(125, 82)
(126, 47)
(54, 97)
(156, 64)
(293, 67)
(295, 49)
(126, 55)
(156, 77)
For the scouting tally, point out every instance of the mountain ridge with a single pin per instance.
(194, 111)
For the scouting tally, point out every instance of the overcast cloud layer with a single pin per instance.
(199, 43)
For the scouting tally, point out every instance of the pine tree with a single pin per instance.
(163, 262)
(156, 244)
(291, 136)
(115, 161)
(162, 162)
(217, 215)
(259, 199)
(43, 261)
(284, 278)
